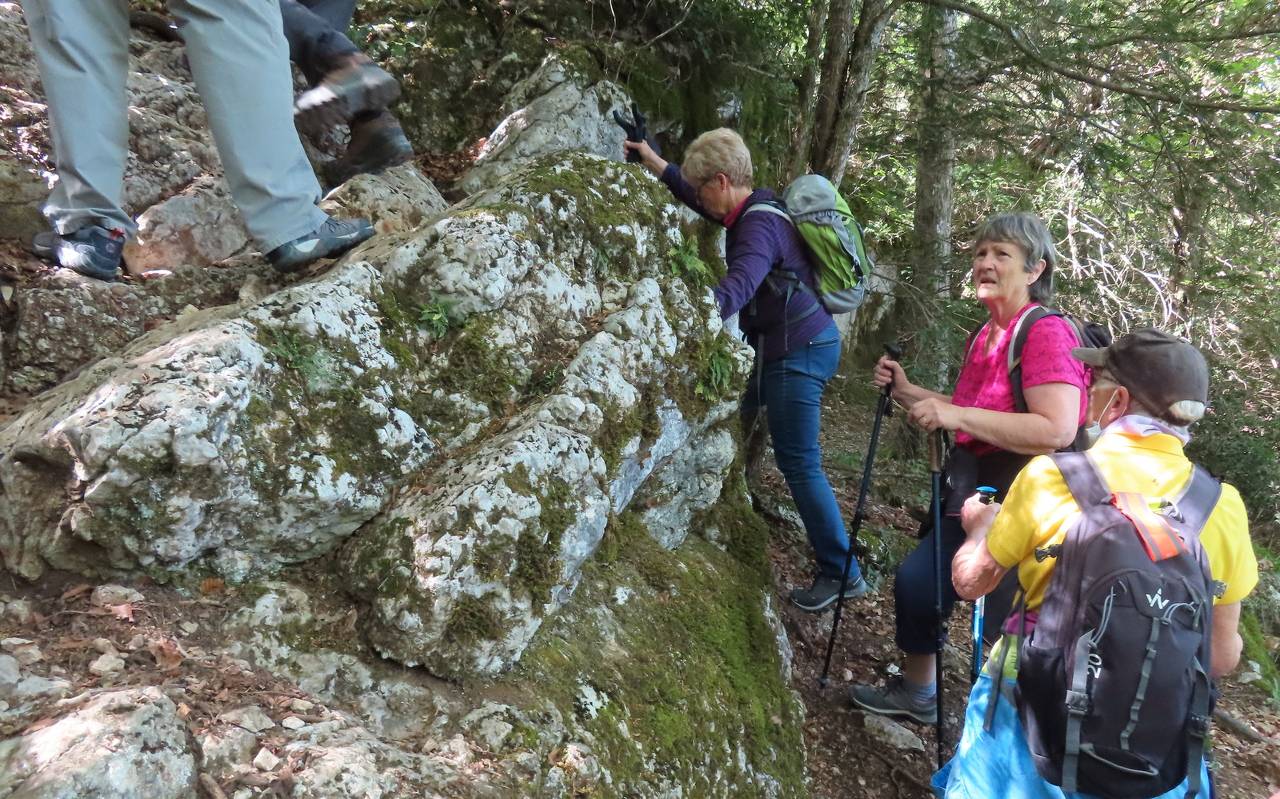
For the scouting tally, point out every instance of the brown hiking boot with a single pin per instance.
(376, 144)
(354, 86)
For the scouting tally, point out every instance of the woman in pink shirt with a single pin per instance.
(1012, 274)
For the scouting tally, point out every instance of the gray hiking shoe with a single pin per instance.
(331, 239)
(355, 86)
(92, 251)
(376, 144)
(894, 699)
(823, 593)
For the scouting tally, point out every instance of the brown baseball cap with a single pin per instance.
(1158, 369)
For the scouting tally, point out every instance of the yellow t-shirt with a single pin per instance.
(1039, 509)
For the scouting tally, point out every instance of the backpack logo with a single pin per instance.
(1157, 601)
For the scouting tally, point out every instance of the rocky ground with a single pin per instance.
(67, 645)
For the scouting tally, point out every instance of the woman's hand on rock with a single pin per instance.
(648, 158)
(932, 414)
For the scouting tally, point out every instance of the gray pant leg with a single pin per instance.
(316, 30)
(240, 62)
(82, 48)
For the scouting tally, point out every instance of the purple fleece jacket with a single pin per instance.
(754, 244)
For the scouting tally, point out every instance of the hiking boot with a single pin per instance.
(92, 251)
(331, 239)
(894, 699)
(823, 592)
(356, 85)
(376, 144)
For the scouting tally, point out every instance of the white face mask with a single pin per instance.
(1093, 430)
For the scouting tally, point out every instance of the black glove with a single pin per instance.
(635, 130)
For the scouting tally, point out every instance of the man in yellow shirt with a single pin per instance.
(1148, 387)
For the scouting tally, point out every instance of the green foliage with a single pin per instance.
(687, 264)
(434, 316)
(1255, 649)
(716, 380)
(1243, 449)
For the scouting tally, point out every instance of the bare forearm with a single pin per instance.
(1027, 433)
(974, 572)
(909, 394)
(1226, 643)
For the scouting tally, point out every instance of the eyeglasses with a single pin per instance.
(708, 182)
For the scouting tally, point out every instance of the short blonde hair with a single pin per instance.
(720, 150)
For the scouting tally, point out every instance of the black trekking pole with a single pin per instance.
(884, 407)
(935, 441)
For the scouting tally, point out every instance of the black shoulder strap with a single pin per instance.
(1198, 499)
(1084, 481)
(1020, 332)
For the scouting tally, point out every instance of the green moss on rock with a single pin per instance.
(688, 663)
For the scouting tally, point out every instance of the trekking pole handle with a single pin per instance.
(936, 450)
(986, 494)
(895, 353)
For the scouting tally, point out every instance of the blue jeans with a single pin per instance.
(790, 389)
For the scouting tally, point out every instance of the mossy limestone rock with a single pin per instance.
(564, 105)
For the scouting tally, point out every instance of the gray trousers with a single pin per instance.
(317, 34)
(240, 63)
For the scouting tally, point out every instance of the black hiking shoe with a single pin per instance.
(355, 86)
(376, 144)
(823, 593)
(92, 251)
(894, 699)
(331, 239)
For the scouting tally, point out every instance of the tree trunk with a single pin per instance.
(866, 46)
(831, 85)
(802, 142)
(1191, 195)
(936, 151)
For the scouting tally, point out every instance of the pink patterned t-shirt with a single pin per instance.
(1046, 358)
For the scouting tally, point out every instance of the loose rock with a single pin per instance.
(105, 595)
(266, 760)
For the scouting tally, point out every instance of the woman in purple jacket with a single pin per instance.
(796, 342)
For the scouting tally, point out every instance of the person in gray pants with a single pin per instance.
(239, 59)
(347, 87)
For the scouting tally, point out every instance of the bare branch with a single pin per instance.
(1190, 38)
(1022, 41)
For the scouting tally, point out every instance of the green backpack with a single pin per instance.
(833, 238)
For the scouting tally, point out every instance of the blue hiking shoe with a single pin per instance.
(92, 251)
(331, 239)
(824, 591)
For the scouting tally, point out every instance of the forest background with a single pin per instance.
(1144, 132)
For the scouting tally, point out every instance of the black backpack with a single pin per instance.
(1088, 334)
(1113, 683)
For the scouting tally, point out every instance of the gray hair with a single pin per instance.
(1027, 231)
(720, 150)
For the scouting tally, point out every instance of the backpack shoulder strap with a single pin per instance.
(1021, 330)
(972, 342)
(1083, 480)
(769, 207)
(781, 280)
(1198, 499)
